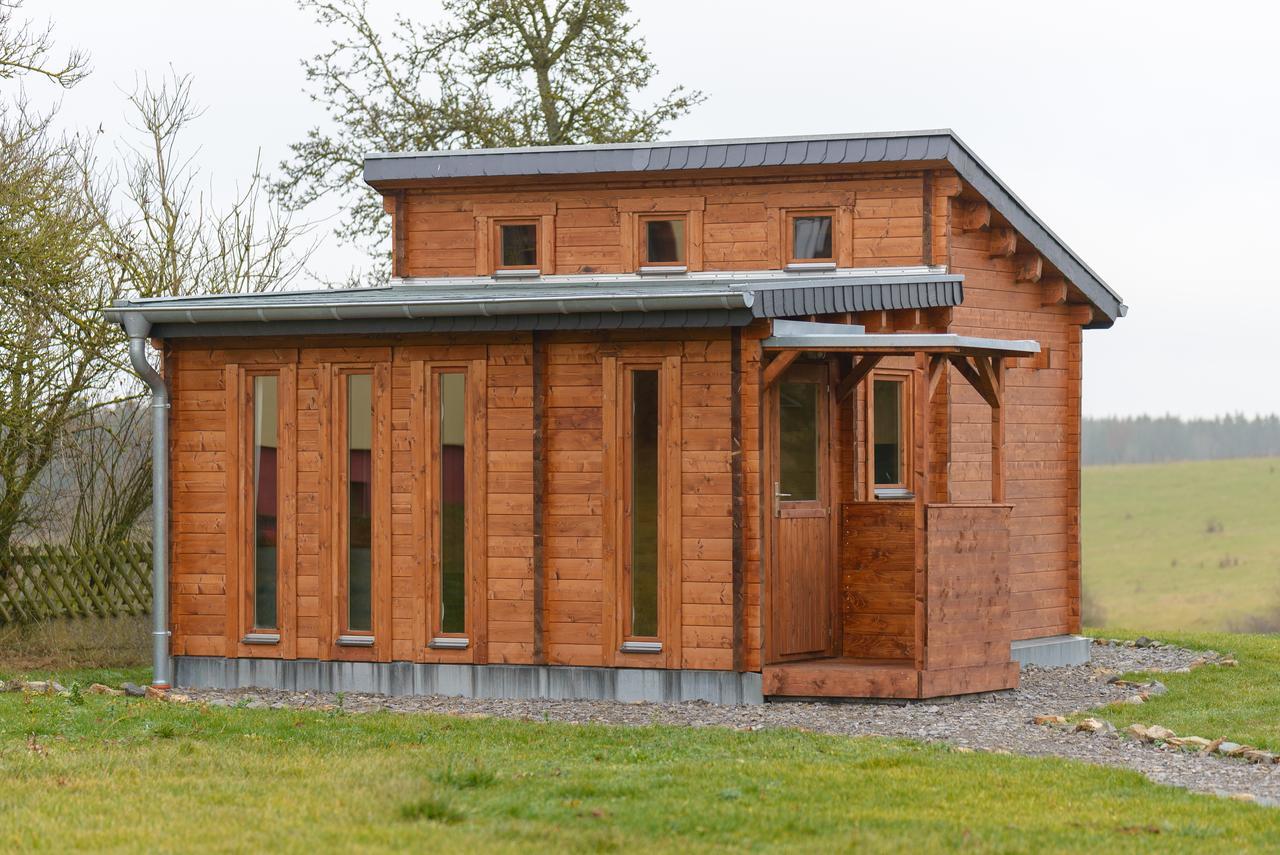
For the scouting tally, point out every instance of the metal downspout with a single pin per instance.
(138, 329)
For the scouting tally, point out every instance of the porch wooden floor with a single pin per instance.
(882, 678)
(843, 678)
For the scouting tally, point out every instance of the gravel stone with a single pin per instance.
(994, 722)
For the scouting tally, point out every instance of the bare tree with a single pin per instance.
(497, 73)
(58, 359)
(160, 235)
(27, 49)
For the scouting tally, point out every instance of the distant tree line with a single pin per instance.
(1147, 439)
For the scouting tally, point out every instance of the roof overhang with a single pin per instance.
(837, 338)
(388, 171)
(483, 305)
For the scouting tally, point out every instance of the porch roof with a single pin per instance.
(803, 335)
(483, 304)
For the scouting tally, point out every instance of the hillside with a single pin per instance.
(1183, 546)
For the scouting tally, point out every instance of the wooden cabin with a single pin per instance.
(727, 420)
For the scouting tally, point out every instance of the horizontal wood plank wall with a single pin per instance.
(881, 216)
(968, 586)
(198, 478)
(877, 579)
(201, 463)
(575, 531)
(1041, 457)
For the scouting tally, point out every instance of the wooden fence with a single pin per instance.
(50, 582)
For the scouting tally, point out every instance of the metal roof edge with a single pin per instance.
(983, 179)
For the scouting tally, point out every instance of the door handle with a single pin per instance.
(778, 496)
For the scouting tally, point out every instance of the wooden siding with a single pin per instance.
(967, 594)
(734, 223)
(501, 497)
(877, 579)
(1042, 434)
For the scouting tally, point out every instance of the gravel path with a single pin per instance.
(991, 723)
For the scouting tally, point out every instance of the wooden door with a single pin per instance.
(803, 576)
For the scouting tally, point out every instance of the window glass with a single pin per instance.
(664, 241)
(359, 502)
(798, 441)
(453, 485)
(888, 431)
(811, 238)
(266, 411)
(519, 245)
(644, 503)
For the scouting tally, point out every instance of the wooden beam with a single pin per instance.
(937, 364)
(856, 376)
(1030, 266)
(1081, 314)
(1053, 291)
(1004, 243)
(538, 356)
(738, 506)
(780, 363)
(997, 433)
(949, 186)
(972, 216)
(988, 367)
(969, 373)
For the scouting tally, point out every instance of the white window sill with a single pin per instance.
(355, 641)
(261, 638)
(449, 643)
(809, 266)
(642, 647)
(520, 273)
(888, 494)
(663, 270)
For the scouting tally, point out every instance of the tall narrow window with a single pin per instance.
(642, 507)
(888, 457)
(452, 473)
(663, 241)
(798, 441)
(517, 247)
(810, 238)
(359, 510)
(266, 444)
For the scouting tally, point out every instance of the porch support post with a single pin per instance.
(920, 433)
(997, 432)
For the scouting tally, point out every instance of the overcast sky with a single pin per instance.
(1145, 134)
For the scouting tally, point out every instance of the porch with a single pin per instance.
(916, 587)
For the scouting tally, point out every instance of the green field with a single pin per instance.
(1183, 546)
(90, 772)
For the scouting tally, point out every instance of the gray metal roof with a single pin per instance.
(907, 146)
(801, 335)
(480, 305)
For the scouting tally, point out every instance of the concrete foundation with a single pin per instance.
(1051, 651)
(558, 682)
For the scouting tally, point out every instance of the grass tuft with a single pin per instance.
(468, 779)
(430, 809)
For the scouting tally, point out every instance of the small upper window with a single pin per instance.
(811, 238)
(517, 246)
(663, 239)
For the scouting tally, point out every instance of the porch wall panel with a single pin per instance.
(877, 580)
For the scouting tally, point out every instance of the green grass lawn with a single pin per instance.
(1183, 546)
(132, 774)
(1241, 703)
